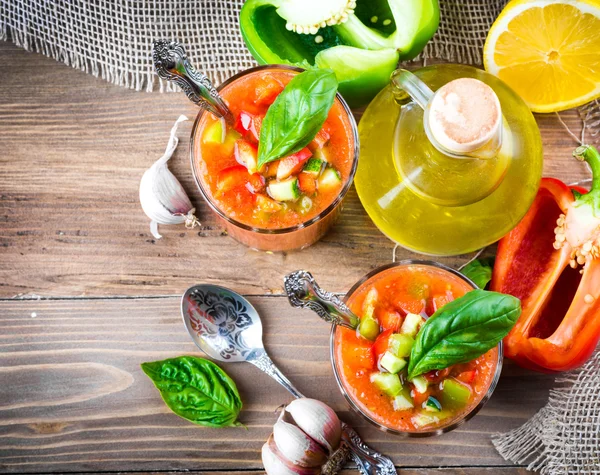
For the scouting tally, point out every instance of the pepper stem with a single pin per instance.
(590, 154)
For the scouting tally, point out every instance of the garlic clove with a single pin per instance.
(318, 421)
(296, 446)
(275, 464)
(162, 197)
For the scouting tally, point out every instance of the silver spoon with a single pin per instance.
(226, 327)
(172, 64)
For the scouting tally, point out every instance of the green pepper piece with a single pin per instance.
(455, 394)
(403, 27)
(369, 328)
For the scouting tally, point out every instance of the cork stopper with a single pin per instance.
(464, 115)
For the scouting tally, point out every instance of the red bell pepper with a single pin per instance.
(538, 261)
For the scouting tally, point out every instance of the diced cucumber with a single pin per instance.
(402, 402)
(423, 419)
(401, 345)
(329, 179)
(411, 324)
(455, 394)
(313, 166)
(432, 405)
(368, 328)
(392, 363)
(420, 383)
(368, 306)
(322, 154)
(214, 133)
(388, 383)
(287, 190)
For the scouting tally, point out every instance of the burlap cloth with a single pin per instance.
(112, 39)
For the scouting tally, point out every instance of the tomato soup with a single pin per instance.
(286, 192)
(400, 299)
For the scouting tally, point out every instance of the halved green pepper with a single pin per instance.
(363, 50)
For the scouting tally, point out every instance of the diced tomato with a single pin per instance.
(292, 164)
(467, 376)
(411, 305)
(320, 140)
(266, 204)
(389, 319)
(381, 343)
(231, 178)
(256, 183)
(439, 301)
(437, 376)
(360, 357)
(420, 398)
(307, 183)
(267, 89)
(246, 154)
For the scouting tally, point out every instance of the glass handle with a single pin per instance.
(172, 64)
(405, 82)
(304, 292)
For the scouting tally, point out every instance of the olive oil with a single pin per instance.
(435, 203)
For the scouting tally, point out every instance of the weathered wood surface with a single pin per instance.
(73, 396)
(72, 151)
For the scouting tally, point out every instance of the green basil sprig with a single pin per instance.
(463, 330)
(479, 271)
(197, 390)
(297, 114)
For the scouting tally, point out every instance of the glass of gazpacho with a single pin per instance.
(393, 302)
(289, 203)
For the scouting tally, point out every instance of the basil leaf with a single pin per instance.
(479, 271)
(197, 390)
(462, 330)
(297, 114)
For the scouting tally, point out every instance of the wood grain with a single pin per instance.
(72, 151)
(73, 397)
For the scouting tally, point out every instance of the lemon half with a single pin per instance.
(548, 51)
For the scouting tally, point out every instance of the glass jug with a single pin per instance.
(450, 159)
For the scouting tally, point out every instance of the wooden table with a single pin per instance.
(87, 294)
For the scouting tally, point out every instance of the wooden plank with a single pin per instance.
(73, 397)
(401, 471)
(72, 151)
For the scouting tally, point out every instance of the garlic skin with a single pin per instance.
(297, 447)
(162, 197)
(275, 464)
(318, 421)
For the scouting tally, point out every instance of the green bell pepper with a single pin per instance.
(362, 57)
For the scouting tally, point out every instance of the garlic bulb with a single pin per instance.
(305, 435)
(162, 197)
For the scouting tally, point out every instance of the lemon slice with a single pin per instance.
(548, 51)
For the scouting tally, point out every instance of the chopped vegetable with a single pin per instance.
(307, 183)
(292, 164)
(421, 384)
(330, 179)
(411, 324)
(214, 133)
(313, 167)
(403, 401)
(287, 190)
(246, 154)
(432, 405)
(266, 204)
(368, 328)
(401, 345)
(388, 383)
(392, 363)
(455, 394)
(320, 140)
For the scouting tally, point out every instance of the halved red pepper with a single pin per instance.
(537, 262)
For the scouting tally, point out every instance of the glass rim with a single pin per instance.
(356, 408)
(330, 208)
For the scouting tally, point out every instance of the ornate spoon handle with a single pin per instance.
(262, 361)
(368, 461)
(303, 291)
(172, 64)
